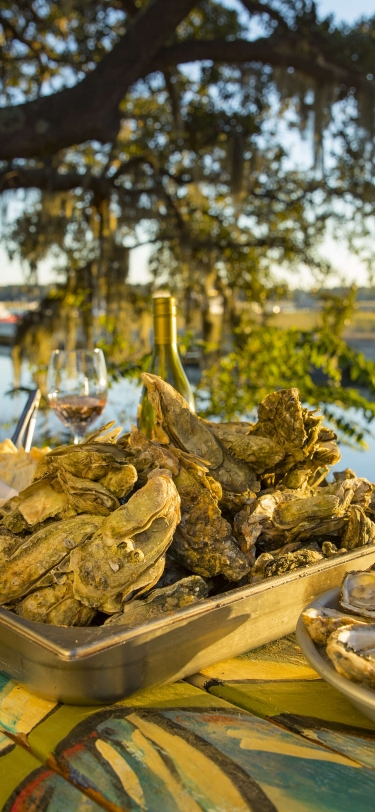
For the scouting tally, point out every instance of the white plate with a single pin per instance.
(358, 694)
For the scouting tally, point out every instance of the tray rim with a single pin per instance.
(355, 691)
(71, 644)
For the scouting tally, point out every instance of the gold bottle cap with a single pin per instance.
(165, 324)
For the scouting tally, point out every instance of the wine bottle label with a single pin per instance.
(165, 322)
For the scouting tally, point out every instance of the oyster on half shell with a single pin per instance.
(358, 593)
(320, 623)
(352, 651)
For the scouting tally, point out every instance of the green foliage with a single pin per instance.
(264, 358)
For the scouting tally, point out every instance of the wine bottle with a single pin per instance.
(165, 362)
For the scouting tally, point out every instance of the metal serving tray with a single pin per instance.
(97, 665)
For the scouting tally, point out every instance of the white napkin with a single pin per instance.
(6, 493)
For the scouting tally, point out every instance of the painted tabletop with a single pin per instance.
(260, 733)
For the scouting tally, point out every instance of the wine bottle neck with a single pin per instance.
(165, 322)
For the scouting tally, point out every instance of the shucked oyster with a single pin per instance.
(129, 550)
(320, 623)
(42, 551)
(358, 593)
(352, 651)
(161, 601)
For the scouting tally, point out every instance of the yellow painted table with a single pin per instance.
(261, 732)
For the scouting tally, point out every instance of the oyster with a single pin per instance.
(188, 432)
(41, 552)
(15, 522)
(290, 513)
(90, 461)
(309, 448)
(360, 530)
(147, 455)
(358, 592)
(8, 544)
(329, 549)
(130, 541)
(88, 496)
(320, 623)
(259, 452)
(161, 602)
(120, 481)
(291, 561)
(203, 540)
(55, 604)
(352, 651)
(281, 419)
(258, 570)
(40, 501)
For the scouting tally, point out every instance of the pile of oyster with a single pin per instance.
(349, 636)
(122, 528)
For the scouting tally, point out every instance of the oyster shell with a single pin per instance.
(90, 461)
(40, 501)
(188, 432)
(352, 651)
(360, 530)
(161, 602)
(41, 552)
(291, 561)
(260, 453)
(358, 592)
(320, 623)
(88, 496)
(147, 455)
(290, 513)
(130, 541)
(120, 481)
(308, 447)
(15, 522)
(8, 544)
(281, 419)
(55, 604)
(203, 540)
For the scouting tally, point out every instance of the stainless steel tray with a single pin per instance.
(96, 665)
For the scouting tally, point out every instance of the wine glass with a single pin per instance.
(77, 388)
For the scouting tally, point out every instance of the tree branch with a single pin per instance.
(256, 7)
(47, 180)
(89, 110)
(275, 51)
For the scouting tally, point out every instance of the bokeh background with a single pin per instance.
(222, 151)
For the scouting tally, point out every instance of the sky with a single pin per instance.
(347, 264)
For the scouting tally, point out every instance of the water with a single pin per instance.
(123, 398)
(122, 402)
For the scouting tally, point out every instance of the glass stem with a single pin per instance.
(77, 438)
